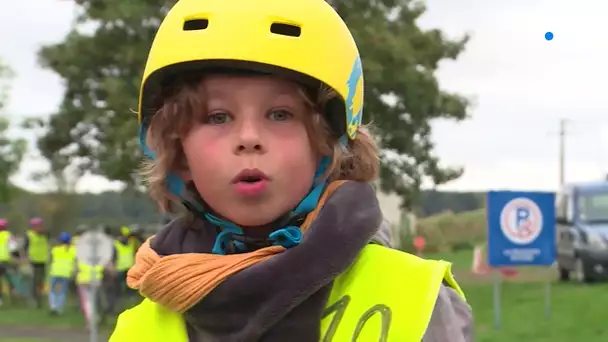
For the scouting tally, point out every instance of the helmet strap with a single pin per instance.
(231, 237)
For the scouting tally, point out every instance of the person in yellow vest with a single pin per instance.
(63, 262)
(5, 257)
(86, 277)
(124, 258)
(72, 288)
(36, 245)
(250, 115)
(131, 237)
(135, 238)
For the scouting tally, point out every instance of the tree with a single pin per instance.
(102, 70)
(11, 150)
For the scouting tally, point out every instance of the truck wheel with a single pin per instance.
(581, 272)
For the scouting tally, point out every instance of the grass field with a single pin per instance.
(578, 312)
(17, 315)
(24, 324)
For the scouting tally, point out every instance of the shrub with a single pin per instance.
(447, 231)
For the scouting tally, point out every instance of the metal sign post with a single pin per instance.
(497, 295)
(548, 299)
(521, 232)
(94, 248)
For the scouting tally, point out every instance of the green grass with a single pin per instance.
(20, 320)
(25, 315)
(578, 313)
(461, 260)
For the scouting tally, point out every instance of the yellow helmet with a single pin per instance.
(303, 39)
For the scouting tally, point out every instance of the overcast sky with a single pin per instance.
(522, 85)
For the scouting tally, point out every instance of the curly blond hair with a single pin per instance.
(182, 103)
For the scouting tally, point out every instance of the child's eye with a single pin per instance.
(218, 118)
(280, 115)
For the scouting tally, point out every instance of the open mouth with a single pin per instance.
(250, 183)
(250, 176)
(251, 179)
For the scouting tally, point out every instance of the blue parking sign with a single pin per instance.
(521, 228)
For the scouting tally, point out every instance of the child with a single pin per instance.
(250, 112)
(36, 245)
(5, 257)
(63, 260)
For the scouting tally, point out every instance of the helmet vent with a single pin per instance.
(196, 24)
(286, 29)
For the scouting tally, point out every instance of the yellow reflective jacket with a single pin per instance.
(398, 287)
(88, 274)
(38, 250)
(125, 256)
(5, 250)
(63, 261)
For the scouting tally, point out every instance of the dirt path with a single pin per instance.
(48, 334)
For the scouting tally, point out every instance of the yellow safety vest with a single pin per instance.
(386, 295)
(5, 250)
(85, 274)
(38, 250)
(125, 256)
(134, 243)
(63, 259)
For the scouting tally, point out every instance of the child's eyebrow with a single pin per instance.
(287, 94)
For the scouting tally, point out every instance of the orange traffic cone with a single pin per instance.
(480, 263)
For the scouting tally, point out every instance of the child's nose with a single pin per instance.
(249, 138)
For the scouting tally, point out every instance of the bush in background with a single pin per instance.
(447, 232)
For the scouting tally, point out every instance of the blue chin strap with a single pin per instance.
(287, 237)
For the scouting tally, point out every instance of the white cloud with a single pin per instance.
(523, 84)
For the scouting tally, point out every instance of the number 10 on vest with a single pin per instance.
(338, 309)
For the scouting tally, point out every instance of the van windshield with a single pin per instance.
(593, 208)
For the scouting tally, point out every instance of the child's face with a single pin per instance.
(251, 123)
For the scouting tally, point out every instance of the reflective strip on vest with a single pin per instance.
(38, 250)
(5, 250)
(86, 276)
(125, 257)
(62, 263)
(376, 299)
